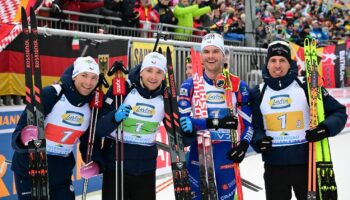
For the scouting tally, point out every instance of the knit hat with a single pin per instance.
(154, 59)
(279, 48)
(213, 39)
(85, 64)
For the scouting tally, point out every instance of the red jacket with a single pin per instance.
(147, 14)
(77, 6)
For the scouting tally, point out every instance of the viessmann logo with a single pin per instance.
(215, 97)
(73, 118)
(143, 110)
(280, 101)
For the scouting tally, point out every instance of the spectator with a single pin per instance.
(188, 67)
(147, 16)
(185, 14)
(78, 6)
(165, 13)
(317, 33)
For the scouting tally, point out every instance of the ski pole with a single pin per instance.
(95, 105)
(119, 90)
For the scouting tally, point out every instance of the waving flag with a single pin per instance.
(10, 18)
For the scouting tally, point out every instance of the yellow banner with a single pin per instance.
(140, 49)
(13, 83)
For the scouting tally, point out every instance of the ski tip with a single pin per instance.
(32, 17)
(23, 13)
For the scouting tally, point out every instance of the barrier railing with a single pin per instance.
(242, 59)
(111, 25)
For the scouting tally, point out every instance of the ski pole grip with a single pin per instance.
(96, 102)
(119, 86)
(117, 65)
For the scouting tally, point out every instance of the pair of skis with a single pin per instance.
(321, 180)
(38, 170)
(205, 152)
(234, 134)
(171, 123)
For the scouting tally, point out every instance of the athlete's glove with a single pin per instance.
(122, 113)
(265, 144)
(228, 122)
(236, 154)
(186, 125)
(28, 134)
(319, 133)
(89, 170)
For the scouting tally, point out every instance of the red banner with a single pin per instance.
(56, 54)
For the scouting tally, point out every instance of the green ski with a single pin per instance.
(320, 162)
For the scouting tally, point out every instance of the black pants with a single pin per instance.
(280, 180)
(135, 187)
(64, 190)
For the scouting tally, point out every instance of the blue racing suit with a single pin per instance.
(221, 143)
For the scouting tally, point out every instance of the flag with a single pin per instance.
(10, 19)
(75, 43)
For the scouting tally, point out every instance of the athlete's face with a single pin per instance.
(188, 70)
(85, 82)
(152, 77)
(212, 59)
(278, 66)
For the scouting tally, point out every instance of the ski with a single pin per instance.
(38, 170)
(251, 185)
(234, 134)
(205, 152)
(321, 180)
(171, 123)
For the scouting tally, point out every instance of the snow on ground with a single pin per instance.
(252, 170)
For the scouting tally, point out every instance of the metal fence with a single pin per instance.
(93, 23)
(242, 59)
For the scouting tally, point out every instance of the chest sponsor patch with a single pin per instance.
(280, 101)
(144, 110)
(215, 97)
(73, 118)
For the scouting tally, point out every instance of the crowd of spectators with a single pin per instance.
(292, 20)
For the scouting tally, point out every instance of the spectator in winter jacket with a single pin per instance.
(147, 16)
(140, 115)
(218, 122)
(66, 118)
(185, 13)
(282, 130)
(166, 14)
(78, 6)
(318, 33)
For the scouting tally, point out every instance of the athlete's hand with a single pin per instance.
(89, 170)
(228, 122)
(265, 144)
(319, 133)
(236, 154)
(122, 113)
(186, 125)
(28, 134)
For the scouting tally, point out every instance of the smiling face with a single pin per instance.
(212, 59)
(85, 82)
(278, 66)
(152, 77)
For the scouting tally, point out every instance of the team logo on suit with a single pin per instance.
(280, 101)
(73, 118)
